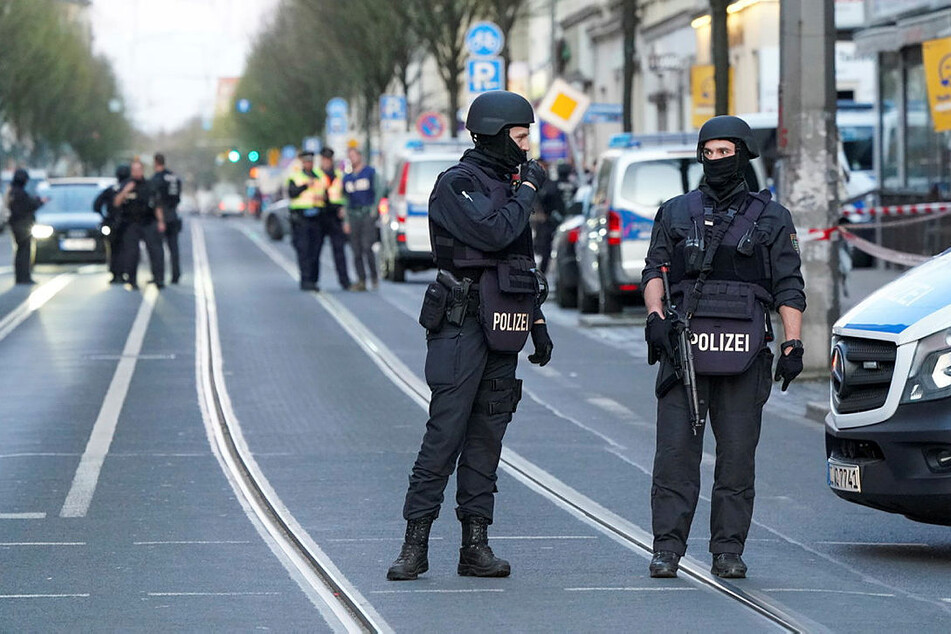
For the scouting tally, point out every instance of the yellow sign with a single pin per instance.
(937, 58)
(703, 92)
(563, 106)
(273, 156)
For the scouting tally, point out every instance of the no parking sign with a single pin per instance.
(431, 124)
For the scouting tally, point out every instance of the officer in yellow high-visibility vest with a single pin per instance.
(305, 187)
(330, 203)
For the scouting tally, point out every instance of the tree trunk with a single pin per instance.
(720, 45)
(629, 29)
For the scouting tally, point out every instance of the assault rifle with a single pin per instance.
(683, 363)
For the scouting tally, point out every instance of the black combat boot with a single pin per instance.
(728, 566)
(664, 564)
(413, 560)
(476, 559)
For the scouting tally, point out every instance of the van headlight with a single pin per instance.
(930, 375)
(105, 230)
(42, 232)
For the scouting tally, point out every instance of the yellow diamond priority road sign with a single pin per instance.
(563, 106)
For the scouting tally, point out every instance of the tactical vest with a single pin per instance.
(729, 324)
(308, 198)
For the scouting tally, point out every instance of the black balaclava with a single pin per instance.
(725, 174)
(20, 178)
(123, 172)
(502, 148)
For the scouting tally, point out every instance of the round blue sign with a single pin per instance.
(337, 107)
(431, 125)
(243, 105)
(484, 39)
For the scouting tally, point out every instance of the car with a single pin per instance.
(38, 181)
(888, 431)
(67, 229)
(404, 214)
(564, 259)
(230, 205)
(632, 179)
(277, 221)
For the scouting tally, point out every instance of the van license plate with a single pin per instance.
(78, 244)
(844, 477)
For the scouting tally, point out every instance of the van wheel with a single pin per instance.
(587, 303)
(273, 228)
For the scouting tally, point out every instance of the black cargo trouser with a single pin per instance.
(173, 228)
(23, 238)
(735, 404)
(116, 255)
(304, 239)
(330, 225)
(149, 233)
(474, 392)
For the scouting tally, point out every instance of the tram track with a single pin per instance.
(545, 484)
(341, 604)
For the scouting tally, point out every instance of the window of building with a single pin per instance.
(890, 97)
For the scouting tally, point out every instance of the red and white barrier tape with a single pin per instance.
(883, 253)
(896, 210)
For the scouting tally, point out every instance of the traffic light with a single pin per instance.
(254, 156)
(234, 156)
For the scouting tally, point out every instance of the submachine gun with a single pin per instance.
(683, 354)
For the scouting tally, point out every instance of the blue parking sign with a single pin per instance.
(485, 74)
(392, 108)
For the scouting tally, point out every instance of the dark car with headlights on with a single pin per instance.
(888, 434)
(564, 270)
(67, 229)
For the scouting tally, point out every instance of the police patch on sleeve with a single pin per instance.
(795, 241)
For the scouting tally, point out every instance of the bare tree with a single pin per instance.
(630, 19)
(505, 13)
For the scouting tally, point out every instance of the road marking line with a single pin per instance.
(90, 465)
(820, 590)
(40, 295)
(438, 591)
(42, 543)
(22, 516)
(345, 540)
(44, 596)
(545, 537)
(608, 589)
(879, 544)
(184, 542)
(211, 594)
(6, 270)
(610, 406)
(39, 454)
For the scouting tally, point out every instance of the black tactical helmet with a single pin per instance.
(729, 128)
(493, 111)
(123, 172)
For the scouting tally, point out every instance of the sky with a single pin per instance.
(169, 54)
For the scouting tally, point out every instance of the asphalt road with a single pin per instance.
(118, 510)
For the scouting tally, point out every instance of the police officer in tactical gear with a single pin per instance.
(136, 199)
(731, 255)
(22, 206)
(168, 193)
(105, 206)
(478, 314)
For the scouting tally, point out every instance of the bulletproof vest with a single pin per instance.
(454, 255)
(750, 265)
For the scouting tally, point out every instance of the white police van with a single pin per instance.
(888, 434)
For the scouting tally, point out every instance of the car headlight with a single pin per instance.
(42, 232)
(105, 230)
(930, 375)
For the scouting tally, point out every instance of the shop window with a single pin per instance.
(890, 95)
(926, 157)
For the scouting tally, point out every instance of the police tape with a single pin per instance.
(883, 253)
(896, 210)
(937, 211)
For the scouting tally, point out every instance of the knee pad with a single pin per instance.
(498, 396)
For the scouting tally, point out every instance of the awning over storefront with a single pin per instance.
(905, 32)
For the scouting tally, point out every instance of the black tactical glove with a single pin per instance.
(789, 365)
(543, 345)
(532, 172)
(659, 334)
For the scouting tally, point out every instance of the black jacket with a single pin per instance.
(22, 205)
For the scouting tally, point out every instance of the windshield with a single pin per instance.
(423, 174)
(857, 143)
(71, 199)
(650, 183)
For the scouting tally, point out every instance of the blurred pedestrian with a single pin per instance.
(22, 208)
(303, 189)
(549, 213)
(136, 199)
(362, 186)
(331, 222)
(167, 188)
(105, 206)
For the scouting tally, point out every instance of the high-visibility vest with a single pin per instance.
(335, 193)
(311, 197)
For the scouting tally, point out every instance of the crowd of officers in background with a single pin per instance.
(137, 209)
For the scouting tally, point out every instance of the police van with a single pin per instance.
(633, 178)
(404, 211)
(888, 434)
